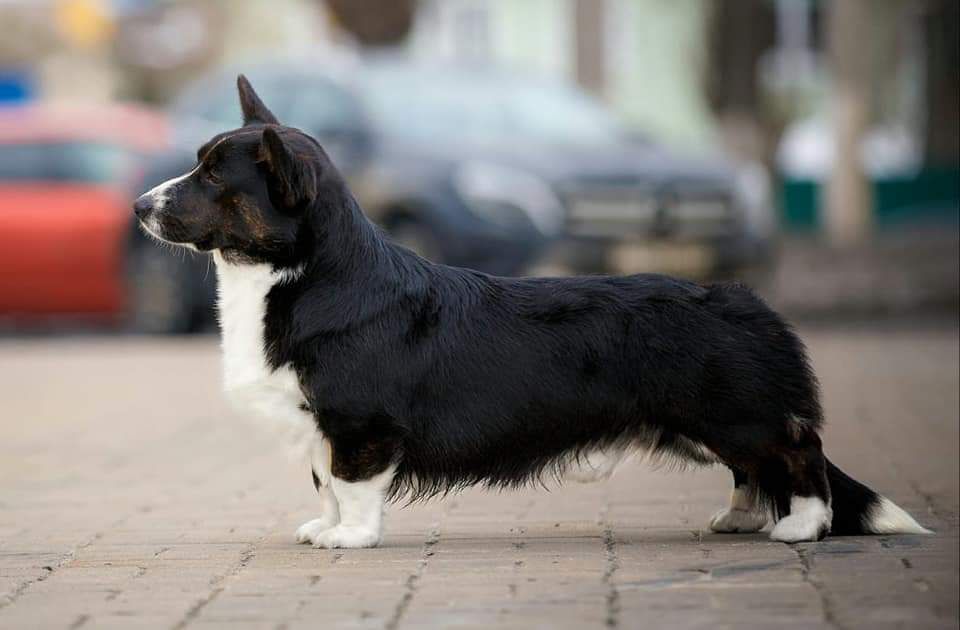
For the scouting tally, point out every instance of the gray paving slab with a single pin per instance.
(131, 497)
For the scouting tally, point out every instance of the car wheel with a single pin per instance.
(160, 294)
(418, 237)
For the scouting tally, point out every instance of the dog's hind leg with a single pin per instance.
(803, 486)
(595, 465)
(330, 509)
(744, 515)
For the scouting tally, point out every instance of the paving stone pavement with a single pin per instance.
(131, 497)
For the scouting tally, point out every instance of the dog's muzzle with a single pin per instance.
(148, 211)
(143, 207)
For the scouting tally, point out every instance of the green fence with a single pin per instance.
(930, 197)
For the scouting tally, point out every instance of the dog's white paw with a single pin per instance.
(346, 537)
(308, 532)
(734, 520)
(809, 520)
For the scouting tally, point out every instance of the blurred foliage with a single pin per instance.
(85, 23)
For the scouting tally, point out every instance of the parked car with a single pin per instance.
(497, 172)
(65, 174)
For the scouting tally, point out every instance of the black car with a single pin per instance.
(478, 169)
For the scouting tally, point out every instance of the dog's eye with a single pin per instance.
(211, 177)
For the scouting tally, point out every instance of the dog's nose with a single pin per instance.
(142, 206)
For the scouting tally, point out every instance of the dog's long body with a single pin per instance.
(409, 378)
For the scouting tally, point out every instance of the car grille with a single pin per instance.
(623, 212)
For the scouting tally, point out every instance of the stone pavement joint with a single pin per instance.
(612, 564)
(48, 570)
(805, 555)
(413, 580)
(217, 582)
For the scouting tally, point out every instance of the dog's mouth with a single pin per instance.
(171, 231)
(151, 227)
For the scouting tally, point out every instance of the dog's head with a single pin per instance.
(248, 194)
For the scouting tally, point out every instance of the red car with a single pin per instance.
(65, 206)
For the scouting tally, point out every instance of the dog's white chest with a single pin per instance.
(251, 385)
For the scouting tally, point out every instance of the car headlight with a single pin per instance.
(752, 189)
(496, 192)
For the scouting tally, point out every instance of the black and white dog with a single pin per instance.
(410, 379)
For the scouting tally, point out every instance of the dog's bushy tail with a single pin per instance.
(859, 510)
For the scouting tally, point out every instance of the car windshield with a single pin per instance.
(427, 107)
(63, 161)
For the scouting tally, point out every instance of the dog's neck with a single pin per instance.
(350, 272)
(343, 241)
(242, 302)
(253, 385)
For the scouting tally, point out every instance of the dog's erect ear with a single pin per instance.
(291, 178)
(254, 111)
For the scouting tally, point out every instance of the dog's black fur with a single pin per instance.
(460, 378)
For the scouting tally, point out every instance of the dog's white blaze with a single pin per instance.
(742, 515)
(890, 518)
(808, 517)
(159, 196)
(251, 385)
(361, 512)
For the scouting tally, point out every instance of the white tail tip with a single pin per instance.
(888, 518)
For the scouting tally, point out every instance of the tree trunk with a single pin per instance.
(738, 33)
(590, 53)
(942, 136)
(849, 204)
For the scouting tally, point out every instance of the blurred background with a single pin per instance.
(806, 147)
(809, 148)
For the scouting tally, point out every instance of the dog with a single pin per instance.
(411, 379)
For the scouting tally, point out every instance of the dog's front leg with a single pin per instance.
(361, 475)
(330, 509)
(361, 512)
